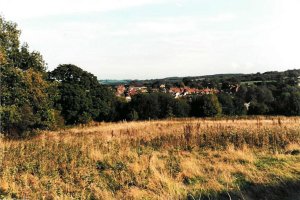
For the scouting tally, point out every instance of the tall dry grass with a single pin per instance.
(168, 159)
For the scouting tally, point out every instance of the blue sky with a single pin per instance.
(141, 39)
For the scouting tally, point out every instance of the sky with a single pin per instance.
(145, 39)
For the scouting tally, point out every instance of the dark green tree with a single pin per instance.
(206, 106)
(146, 105)
(258, 108)
(82, 98)
(25, 97)
(239, 106)
(227, 103)
(181, 108)
(287, 103)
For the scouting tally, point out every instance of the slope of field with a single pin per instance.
(170, 159)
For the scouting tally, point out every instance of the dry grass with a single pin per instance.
(169, 159)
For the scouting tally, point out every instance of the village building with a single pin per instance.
(177, 92)
(120, 90)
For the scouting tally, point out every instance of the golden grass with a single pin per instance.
(167, 159)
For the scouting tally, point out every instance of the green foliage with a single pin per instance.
(15, 55)
(146, 105)
(25, 94)
(9, 41)
(181, 108)
(25, 104)
(173, 165)
(258, 108)
(206, 106)
(240, 180)
(82, 98)
(288, 101)
(267, 162)
(226, 100)
(133, 115)
(193, 180)
(239, 107)
(293, 107)
(158, 106)
(116, 175)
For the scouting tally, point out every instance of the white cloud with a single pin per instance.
(222, 41)
(167, 25)
(224, 17)
(172, 25)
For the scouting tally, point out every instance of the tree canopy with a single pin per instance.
(25, 101)
(206, 106)
(81, 97)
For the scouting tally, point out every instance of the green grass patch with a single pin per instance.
(265, 163)
(193, 180)
(173, 165)
(240, 180)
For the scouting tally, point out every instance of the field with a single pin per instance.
(255, 158)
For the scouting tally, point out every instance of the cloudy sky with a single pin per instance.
(141, 39)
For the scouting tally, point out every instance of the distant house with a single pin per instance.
(209, 91)
(128, 98)
(136, 90)
(177, 92)
(174, 90)
(181, 92)
(120, 90)
(131, 91)
(247, 105)
(162, 86)
(177, 95)
(154, 90)
(142, 89)
(191, 90)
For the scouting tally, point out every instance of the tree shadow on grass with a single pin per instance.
(285, 191)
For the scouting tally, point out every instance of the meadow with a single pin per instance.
(234, 158)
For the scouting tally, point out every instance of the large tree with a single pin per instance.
(206, 106)
(82, 98)
(146, 105)
(227, 103)
(260, 98)
(288, 101)
(25, 103)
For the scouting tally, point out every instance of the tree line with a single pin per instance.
(33, 98)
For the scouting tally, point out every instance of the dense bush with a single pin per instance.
(206, 106)
(158, 106)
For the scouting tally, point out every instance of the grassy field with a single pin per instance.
(256, 158)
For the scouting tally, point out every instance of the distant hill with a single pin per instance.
(266, 76)
(167, 79)
(114, 82)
